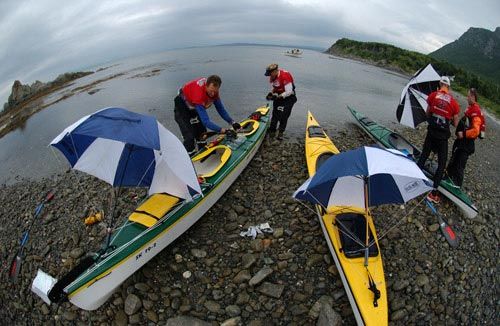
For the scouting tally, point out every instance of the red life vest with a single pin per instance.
(442, 103)
(194, 93)
(283, 78)
(474, 110)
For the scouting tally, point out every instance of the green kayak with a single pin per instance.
(156, 222)
(390, 139)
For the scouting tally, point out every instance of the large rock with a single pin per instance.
(328, 316)
(22, 92)
(19, 93)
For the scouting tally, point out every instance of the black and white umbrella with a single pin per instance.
(413, 102)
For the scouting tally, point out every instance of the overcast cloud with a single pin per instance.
(40, 39)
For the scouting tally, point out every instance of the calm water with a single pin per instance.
(324, 85)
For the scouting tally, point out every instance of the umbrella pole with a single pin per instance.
(367, 248)
(108, 240)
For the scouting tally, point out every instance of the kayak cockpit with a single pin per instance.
(209, 162)
(352, 231)
(401, 144)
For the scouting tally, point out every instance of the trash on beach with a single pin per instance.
(94, 218)
(257, 229)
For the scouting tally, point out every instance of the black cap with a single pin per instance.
(271, 68)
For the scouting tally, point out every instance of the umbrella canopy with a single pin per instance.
(387, 175)
(125, 148)
(413, 102)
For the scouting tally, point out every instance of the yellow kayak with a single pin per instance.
(345, 230)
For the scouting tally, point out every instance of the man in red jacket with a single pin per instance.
(469, 128)
(283, 96)
(191, 105)
(442, 110)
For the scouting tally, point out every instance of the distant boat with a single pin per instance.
(294, 53)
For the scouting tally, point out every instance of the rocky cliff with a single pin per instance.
(22, 93)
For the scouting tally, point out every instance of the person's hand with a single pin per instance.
(230, 133)
(223, 130)
(236, 126)
(269, 96)
(460, 134)
(282, 95)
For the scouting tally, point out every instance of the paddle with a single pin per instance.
(448, 232)
(15, 265)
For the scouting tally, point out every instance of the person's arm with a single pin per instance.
(430, 99)
(455, 120)
(288, 90)
(222, 111)
(206, 120)
(457, 112)
(474, 131)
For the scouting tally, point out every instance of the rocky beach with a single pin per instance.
(213, 276)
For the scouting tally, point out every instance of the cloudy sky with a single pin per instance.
(41, 38)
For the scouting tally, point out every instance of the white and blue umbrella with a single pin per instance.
(413, 102)
(129, 149)
(378, 175)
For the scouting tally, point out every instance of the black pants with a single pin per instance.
(282, 108)
(189, 123)
(440, 147)
(456, 167)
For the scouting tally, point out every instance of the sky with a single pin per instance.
(40, 39)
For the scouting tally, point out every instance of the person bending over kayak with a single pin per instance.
(469, 128)
(194, 98)
(442, 109)
(283, 96)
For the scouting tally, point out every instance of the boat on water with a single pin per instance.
(390, 139)
(345, 229)
(297, 53)
(157, 221)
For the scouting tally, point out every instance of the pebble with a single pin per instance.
(260, 276)
(272, 290)
(132, 304)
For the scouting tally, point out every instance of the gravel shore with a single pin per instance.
(287, 277)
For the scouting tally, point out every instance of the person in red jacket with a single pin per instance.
(283, 96)
(442, 110)
(191, 105)
(469, 128)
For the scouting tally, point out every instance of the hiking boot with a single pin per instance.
(271, 134)
(280, 135)
(434, 198)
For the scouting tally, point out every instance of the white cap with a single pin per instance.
(445, 80)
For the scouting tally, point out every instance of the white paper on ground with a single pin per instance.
(42, 284)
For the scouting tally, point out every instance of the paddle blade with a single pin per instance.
(15, 267)
(49, 196)
(449, 234)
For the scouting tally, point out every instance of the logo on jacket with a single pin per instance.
(194, 120)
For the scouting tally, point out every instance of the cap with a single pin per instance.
(445, 80)
(271, 68)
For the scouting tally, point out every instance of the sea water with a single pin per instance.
(149, 83)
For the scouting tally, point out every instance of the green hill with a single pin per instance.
(409, 62)
(477, 50)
